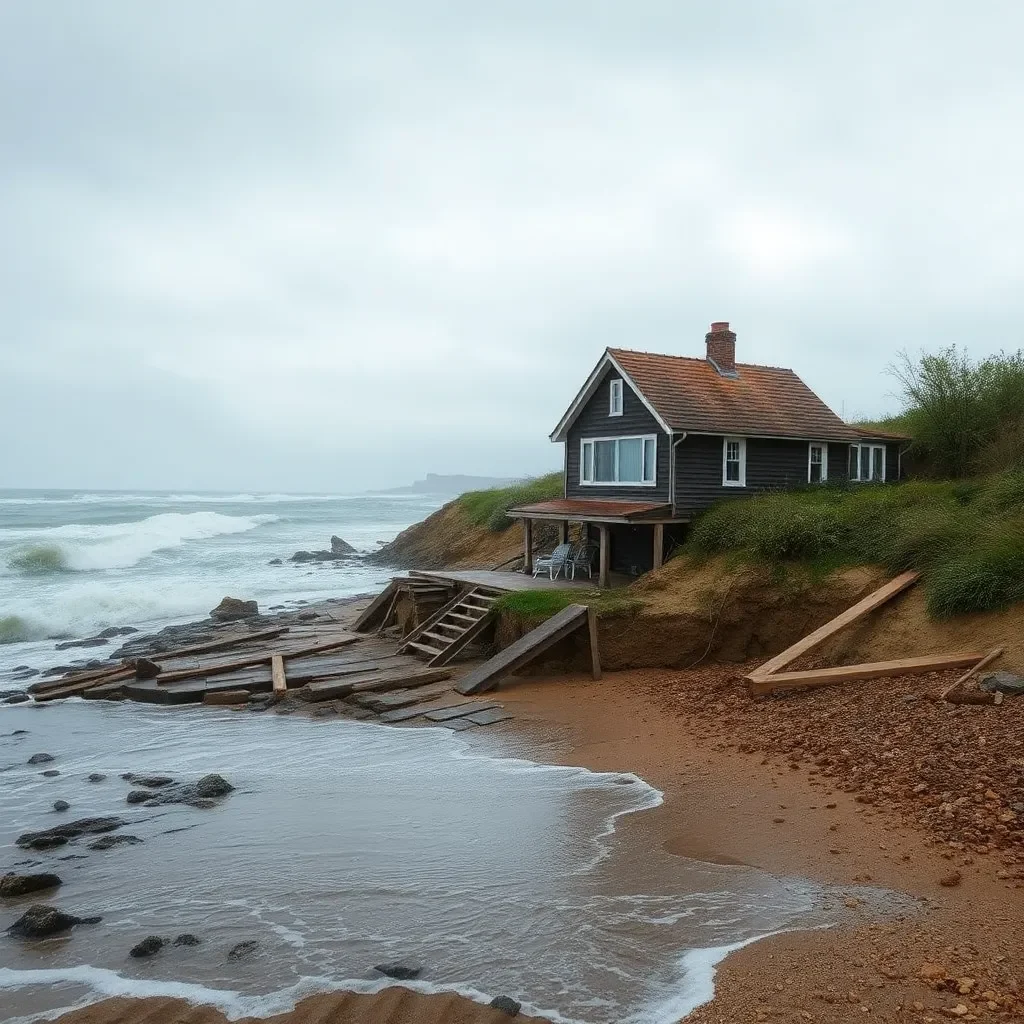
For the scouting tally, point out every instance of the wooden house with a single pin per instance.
(650, 441)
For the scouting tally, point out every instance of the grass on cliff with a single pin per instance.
(965, 537)
(489, 508)
(542, 604)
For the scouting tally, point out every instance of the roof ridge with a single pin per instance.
(700, 359)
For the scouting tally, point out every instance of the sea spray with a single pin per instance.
(39, 559)
(14, 630)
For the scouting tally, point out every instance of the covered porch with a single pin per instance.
(630, 536)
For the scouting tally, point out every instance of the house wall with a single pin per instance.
(594, 421)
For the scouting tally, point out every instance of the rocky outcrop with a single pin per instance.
(507, 1005)
(234, 608)
(203, 793)
(149, 781)
(40, 759)
(41, 921)
(187, 939)
(339, 549)
(59, 835)
(147, 947)
(109, 842)
(21, 885)
(399, 971)
(243, 949)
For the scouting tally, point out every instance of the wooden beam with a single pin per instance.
(374, 609)
(857, 673)
(595, 650)
(603, 573)
(77, 686)
(659, 545)
(563, 531)
(869, 604)
(528, 547)
(987, 660)
(277, 676)
(224, 644)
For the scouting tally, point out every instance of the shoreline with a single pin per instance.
(754, 808)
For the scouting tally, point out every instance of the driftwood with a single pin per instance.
(955, 693)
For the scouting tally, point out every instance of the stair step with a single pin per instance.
(433, 652)
(478, 601)
(449, 627)
(443, 640)
(465, 618)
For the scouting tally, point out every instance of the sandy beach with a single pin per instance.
(737, 793)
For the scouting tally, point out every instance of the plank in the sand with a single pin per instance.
(329, 689)
(400, 698)
(468, 707)
(488, 717)
(280, 681)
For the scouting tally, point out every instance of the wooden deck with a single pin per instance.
(509, 581)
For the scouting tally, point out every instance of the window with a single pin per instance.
(734, 462)
(867, 462)
(817, 463)
(619, 460)
(615, 397)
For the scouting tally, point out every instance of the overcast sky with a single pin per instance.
(320, 246)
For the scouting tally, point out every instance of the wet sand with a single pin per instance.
(958, 957)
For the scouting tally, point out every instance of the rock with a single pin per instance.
(139, 796)
(213, 786)
(146, 669)
(951, 880)
(109, 842)
(147, 947)
(232, 608)
(52, 773)
(341, 547)
(275, 561)
(227, 697)
(187, 939)
(112, 631)
(303, 556)
(40, 759)
(20, 885)
(151, 781)
(41, 921)
(61, 805)
(1003, 682)
(201, 794)
(96, 777)
(17, 698)
(61, 834)
(243, 949)
(93, 641)
(507, 1005)
(399, 971)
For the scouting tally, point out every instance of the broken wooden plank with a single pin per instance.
(375, 608)
(868, 604)
(464, 639)
(105, 691)
(857, 673)
(595, 649)
(227, 697)
(487, 676)
(393, 700)
(467, 707)
(329, 689)
(223, 644)
(73, 689)
(150, 692)
(491, 717)
(987, 660)
(277, 677)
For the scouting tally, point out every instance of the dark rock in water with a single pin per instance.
(243, 949)
(112, 631)
(41, 921)
(200, 794)
(232, 608)
(20, 885)
(52, 773)
(20, 732)
(307, 616)
(20, 672)
(17, 698)
(150, 781)
(146, 669)
(341, 547)
(139, 796)
(61, 805)
(1003, 682)
(109, 842)
(147, 947)
(187, 939)
(398, 971)
(506, 1005)
(303, 556)
(58, 670)
(60, 834)
(93, 641)
(275, 561)
(97, 777)
(40, 759)
(213, 785)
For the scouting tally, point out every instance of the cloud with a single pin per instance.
(394, 238)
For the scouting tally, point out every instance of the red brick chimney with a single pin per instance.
(721, 344)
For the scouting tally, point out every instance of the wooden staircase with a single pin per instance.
(453, 628)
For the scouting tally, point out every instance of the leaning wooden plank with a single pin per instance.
(487, 676)
(277, 675)
(375, 608)
(72, 689)
(856, 673)
(595, 648)
(469, 707)
(987, 660)
(869, 604)
(431, 621)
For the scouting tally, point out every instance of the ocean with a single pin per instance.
(345, 844)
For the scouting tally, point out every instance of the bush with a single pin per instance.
(488, 508)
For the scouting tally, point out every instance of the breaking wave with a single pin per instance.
(14, 629)
(76, 548)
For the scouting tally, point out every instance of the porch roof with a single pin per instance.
(593, 510)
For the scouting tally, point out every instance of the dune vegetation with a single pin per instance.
(489, 508)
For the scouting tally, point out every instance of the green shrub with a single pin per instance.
(986, 576)
(489, 508)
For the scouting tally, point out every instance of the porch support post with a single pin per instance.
(528, 546)
(563, 531)
(659, 544)
(602, 576)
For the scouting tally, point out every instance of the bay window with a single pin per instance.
(619, 460)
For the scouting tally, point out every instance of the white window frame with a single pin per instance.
(823, 445)
(615, 391)
(742, 442)
(873, 446)
(645, 439)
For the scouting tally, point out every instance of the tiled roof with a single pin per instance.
(881, 435)
(585, 507)
(690, 394)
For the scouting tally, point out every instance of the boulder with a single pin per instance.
(399, 971)
(147, 947)
(109, 842)
(93, 641)
(150, 781)
(232, 608)
(40, 759)
(187, 939)
(341, 547)
(41, 921)
(506, 1005)
(146, 669)
(203, 793)
(112, 631)
(50, 773)
(61, 834)
(97, 777)
(17, 698)
(243, 949)
(1003, 682)
(61, 805)
(212, 786)
(139, 796)
(20, 885)
(275, 561)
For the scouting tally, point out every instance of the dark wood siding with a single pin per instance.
(594, 421)
(838, 463)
